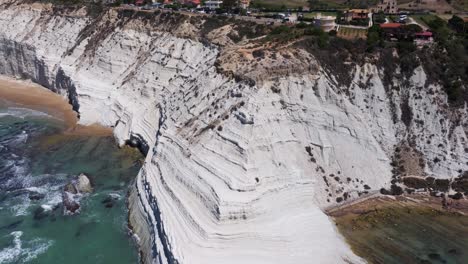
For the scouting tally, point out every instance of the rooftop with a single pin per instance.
(390, 25)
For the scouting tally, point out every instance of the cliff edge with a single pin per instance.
(244, 148)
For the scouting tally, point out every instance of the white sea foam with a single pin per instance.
(19, 254)
(21, 207)
(52, 199)
(23, 113)
(11, 254)
(115, 196)
(37, 246)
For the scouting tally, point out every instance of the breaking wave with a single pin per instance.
(20, 252)
(23, 113)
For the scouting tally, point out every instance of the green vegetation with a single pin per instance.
(379, 18)
(352, 33)
(341, 4)
(374, 37)
(324, 4)
(424, 19)
(279, 4)
(459, 25)
(324, 13)
(448, 63)
(449, 60)
(446, 60)
(377, 231)
(285, 34)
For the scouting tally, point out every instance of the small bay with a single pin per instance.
(38, 157)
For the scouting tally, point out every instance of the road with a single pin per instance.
(412, 21)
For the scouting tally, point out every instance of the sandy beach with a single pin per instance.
(29, 95)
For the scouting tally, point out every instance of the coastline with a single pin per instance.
(375, 227)
(23, 93)
(375, 201)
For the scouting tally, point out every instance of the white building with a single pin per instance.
(326, 23)
(213, 4)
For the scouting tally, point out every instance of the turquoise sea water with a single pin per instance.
(36, 161)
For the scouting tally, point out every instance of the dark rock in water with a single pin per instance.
(36, 196)
(70, 188)
(12, 225)
(453, 251)
(40, 213)
(69, 204)
(81, 184)
(109, 201)
(85, 228)
(424, 261)
(434, 256)
(57, 206)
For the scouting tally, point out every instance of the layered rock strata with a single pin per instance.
(236, 170)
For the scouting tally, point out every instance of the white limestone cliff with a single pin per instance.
(234, 172)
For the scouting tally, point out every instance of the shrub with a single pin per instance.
(414, 182)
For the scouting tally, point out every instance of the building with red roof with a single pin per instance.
(423, 35)
(390, 25)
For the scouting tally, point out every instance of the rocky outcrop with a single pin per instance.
(83, 185)
(73, 192)
(239, 163)
(71, 205)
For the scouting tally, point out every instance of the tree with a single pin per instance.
(412, 28)
(436, 23)
(458, 24)
(379, 18)
(374, 37)
(229, 4)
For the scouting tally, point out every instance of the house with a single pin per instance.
(391, 29)
(386, 6)
(356, 14)
(211, 4)
(192, 2)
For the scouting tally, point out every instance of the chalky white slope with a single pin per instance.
(233, 173)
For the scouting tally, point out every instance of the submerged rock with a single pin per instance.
(109, 201)
(12, 225)
(36, 196)
(40, 213)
